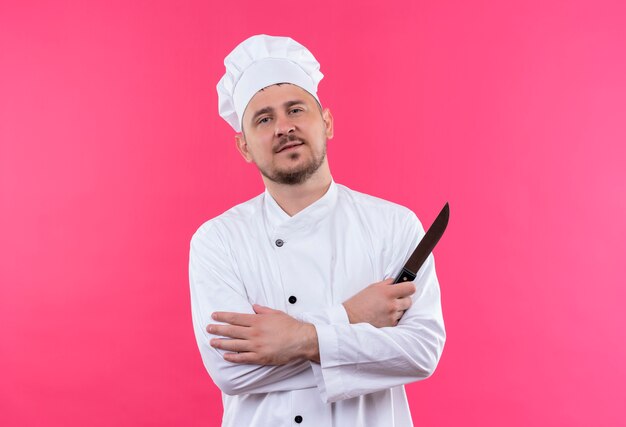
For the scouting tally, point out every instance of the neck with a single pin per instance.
(294, 198)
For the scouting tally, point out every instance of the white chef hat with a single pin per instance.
(259, 62)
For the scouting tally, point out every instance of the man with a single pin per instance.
(293, 319)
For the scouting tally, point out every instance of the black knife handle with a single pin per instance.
(404, 276)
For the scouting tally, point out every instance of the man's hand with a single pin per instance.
(381, 304)
(269, 337)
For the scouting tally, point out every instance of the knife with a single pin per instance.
(425, 247)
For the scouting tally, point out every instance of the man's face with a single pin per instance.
(285, 133)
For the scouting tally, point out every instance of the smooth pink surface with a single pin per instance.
(112, 154)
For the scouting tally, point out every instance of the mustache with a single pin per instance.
(287, 139)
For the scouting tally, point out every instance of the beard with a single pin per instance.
(298, 174)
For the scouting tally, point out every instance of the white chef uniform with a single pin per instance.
(307, 265)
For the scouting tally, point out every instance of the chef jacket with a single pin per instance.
(307, 265)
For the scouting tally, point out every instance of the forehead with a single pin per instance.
(275, 96)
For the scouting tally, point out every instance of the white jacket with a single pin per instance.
(257, 254)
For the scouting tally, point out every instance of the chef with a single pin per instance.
(294, 311)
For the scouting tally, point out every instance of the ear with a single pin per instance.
(328, 123)
(242, 147)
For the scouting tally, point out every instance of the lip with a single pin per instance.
(290, 146)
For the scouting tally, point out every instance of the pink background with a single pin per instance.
(112, 154)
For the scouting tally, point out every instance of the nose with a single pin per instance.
(284, 126)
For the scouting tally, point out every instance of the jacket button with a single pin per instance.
(292, 299)
(298, 419)
(279, 243)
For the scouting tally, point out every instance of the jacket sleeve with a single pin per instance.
(360, 359)
(215, 286)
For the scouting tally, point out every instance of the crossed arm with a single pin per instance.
(272, 337)
(345, 350)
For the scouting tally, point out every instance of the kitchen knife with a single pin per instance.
(425, 247)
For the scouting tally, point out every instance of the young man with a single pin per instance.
(293, 319)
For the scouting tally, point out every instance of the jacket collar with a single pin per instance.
(276, 217)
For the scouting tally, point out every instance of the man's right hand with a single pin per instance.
(380, 304)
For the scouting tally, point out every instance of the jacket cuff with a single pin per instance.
(328, 372)
(335, 315)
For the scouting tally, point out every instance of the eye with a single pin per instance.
(263, 120)
(295, 110)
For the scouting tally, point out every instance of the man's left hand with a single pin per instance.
(269, 337)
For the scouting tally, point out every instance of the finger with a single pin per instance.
(404, 289)
(400, 315)
(246, 357)
(231, 345)
(404, 303)
(229, 331)
(261, 309)
(240, 319)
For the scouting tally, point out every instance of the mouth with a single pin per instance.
(289, 146)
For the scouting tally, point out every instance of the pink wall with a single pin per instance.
(112, 154)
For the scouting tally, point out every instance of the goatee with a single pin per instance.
(299, 174)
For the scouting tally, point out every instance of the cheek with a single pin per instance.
(261, 152)
(258, 140)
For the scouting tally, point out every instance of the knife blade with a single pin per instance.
(425, 247)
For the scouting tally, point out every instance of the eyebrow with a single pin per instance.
(261, 112)
(266, 110)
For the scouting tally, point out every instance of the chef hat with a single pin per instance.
(261, 61)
